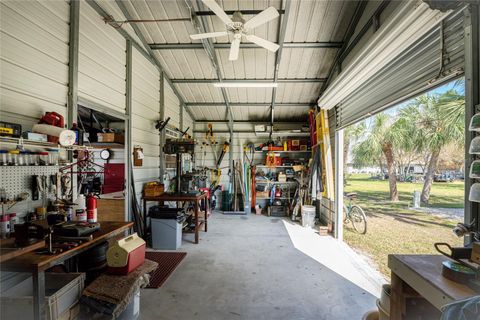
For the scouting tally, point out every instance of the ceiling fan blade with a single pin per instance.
(262, 42)
(200, 36)
(213, 5)
(263, 17)
(234, 49)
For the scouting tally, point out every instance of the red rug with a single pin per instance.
(167, 263)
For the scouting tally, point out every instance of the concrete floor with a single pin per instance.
(248, 268)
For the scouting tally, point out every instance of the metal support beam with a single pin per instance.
(72, 102)
(162, 133)
(311, 80)
(339, 184)
(278, 57)
(128, 140)
(248, 45)
(147, 53)
(248, 104)
(251, 122)
(472, 100)
(230, 12)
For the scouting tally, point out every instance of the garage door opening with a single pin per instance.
(405, 168)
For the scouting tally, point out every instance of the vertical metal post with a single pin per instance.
(339, 184)
(472, 99)
(162, 134)
(73, 45)
(128, 144)
(282, 29)
(38, 295)
(73, 62)
(182, 118)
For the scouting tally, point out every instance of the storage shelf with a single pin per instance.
(283, 134)
(288, 151)
(27, 142)
(272, 167)
(32, 143)
(104, 145)
(281, 198)
(273, 182)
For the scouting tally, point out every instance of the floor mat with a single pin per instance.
(167, 263)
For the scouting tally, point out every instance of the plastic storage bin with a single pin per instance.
(308, 216)
(166, 234)
(132, 312)
(62, 291)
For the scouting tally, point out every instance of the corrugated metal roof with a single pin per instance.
(308, 21)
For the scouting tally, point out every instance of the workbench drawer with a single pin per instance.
(62, 290)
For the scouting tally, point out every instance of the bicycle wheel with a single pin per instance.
(359, 219)
(345, 216)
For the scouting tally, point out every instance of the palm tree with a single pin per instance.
(380, 140)
(439, 121)
(351, 134)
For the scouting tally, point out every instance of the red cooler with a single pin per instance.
(126, 255)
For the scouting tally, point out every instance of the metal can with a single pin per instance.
(4, 226)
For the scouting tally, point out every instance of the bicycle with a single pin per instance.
(355, 214)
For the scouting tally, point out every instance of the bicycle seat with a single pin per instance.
(351, 195)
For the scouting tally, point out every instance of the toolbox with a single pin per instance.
(75, 229)
(153, 189)
(126, 255)
(10, 129)
(277, 211)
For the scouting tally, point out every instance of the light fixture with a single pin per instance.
(252, 84)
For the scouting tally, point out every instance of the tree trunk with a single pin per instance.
(392, 177)
(427, 185)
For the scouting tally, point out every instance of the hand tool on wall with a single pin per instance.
(225, 147)
(34, 187)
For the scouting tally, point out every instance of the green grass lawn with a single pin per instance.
(393, 227)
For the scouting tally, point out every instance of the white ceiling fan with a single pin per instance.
(239, 28)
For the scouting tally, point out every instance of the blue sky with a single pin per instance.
(393, 110)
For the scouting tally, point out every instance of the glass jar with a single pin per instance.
(3, 158)
(43, 158)
(53, 157)
(23, 158)
(33, 158)
(13, 157)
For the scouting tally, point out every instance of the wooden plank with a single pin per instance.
(32, 261)
(424, 274)
(8, 250)
(327, 155)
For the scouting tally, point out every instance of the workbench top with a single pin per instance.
(32, 261)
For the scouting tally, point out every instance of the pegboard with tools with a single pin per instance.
(17, 179)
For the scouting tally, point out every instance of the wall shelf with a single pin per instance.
(289, 151)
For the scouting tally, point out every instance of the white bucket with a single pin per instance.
(308, 216)
(383, 314)
(371, 315)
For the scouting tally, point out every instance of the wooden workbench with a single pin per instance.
(36, 263)
(181, 198)
(423, 274)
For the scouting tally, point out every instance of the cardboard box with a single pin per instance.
(263, 194)
(153, 190)
(111, 137)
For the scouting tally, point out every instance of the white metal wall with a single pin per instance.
(102, 59)
(33, 59)
(188, 122)
(172, 106)
(145, 110)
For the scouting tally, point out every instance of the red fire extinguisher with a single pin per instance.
(91, 208)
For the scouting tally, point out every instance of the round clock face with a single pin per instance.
(105, 154)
